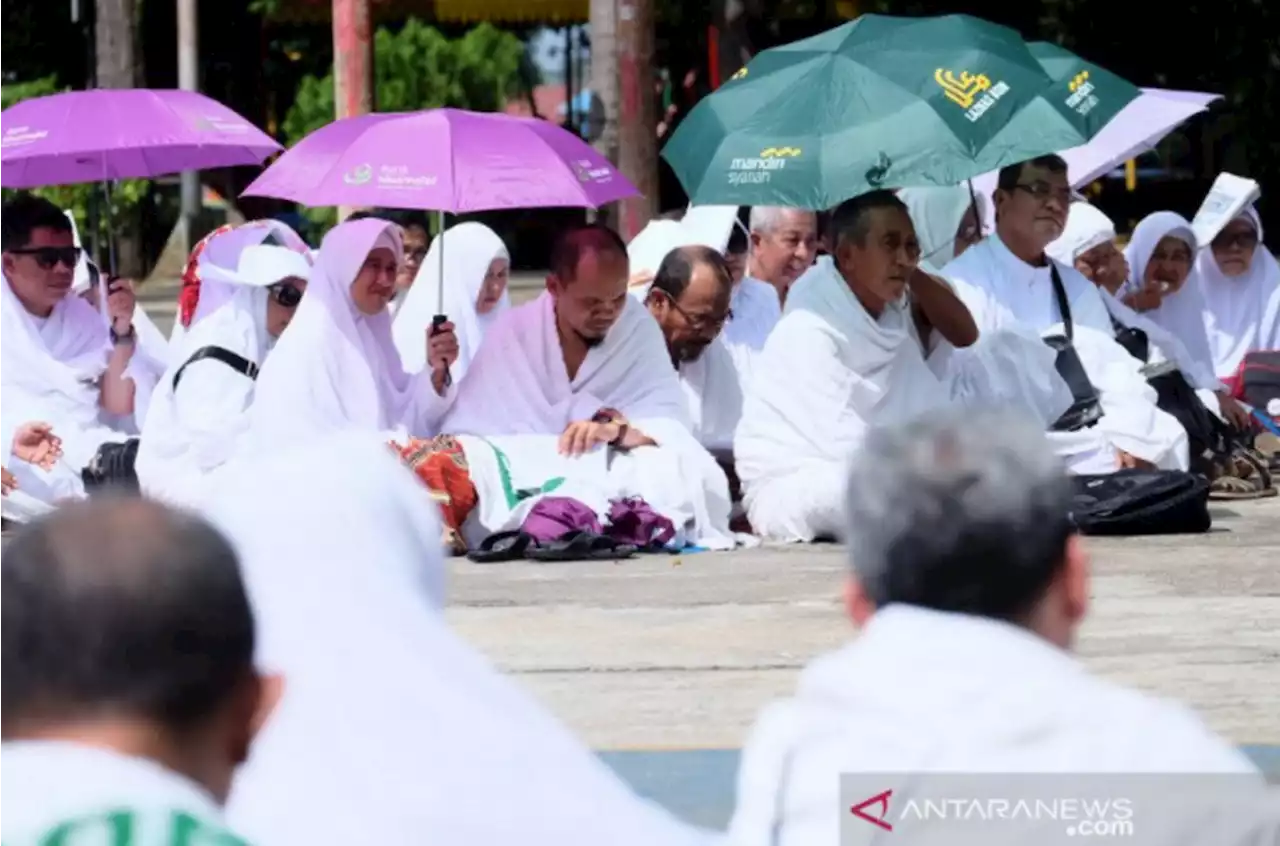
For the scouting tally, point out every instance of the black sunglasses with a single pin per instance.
(50, 257)
(285, 294)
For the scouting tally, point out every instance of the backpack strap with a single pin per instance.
(235, 361)
(1060, 294)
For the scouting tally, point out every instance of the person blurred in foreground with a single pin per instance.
(969, 584)
(392, 729)
(129, 689)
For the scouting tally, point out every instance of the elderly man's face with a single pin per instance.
(1034, 211)
(693, 320)
(879, 268)
(1104, 266)
(779, 256)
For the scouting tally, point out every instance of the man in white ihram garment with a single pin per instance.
(61, 363)
(969, 585)
(1008, 279)
(845, 356)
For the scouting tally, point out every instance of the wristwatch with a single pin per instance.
(125, 338)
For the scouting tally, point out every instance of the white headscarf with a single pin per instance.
(335, 368)
(1242, 313)
(391, 729)
(1181, 313)
(469, 249)
(1087, 227)
(936, 212)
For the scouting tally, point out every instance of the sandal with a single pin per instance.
(581, 546)
(503, 546)
(1235, 488)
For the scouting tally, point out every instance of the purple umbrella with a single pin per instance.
(448, 160)
(123, 133)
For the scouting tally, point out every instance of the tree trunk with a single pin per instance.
(114, 35)
(637, 115)
(604, 82)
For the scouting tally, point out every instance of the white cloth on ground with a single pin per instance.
(1002, 291)
(53, 785)
(1241, 314)
(468, 249)
(518, 385)
(337, 368)
(193, 429)
(923, 692)
(435, 742)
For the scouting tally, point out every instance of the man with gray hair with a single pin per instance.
(969, 583)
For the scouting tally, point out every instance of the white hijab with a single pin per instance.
(936, 212)
(1242, 314)
(335, 368)
(469, 249)
(1181, 313)
(391, 729)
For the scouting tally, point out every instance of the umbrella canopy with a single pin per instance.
(884, 102)
(446, 160)
(128, 133)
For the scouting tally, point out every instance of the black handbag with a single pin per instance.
(112, 468)
(1086, 408)
(1135, 341)
(1141, 502)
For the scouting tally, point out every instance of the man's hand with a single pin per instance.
(121, 302)
(1127, 461)
(1147, 299)
(442, 352)
(1234, 413)
(585, 435)
(35, 443)
(8, 482)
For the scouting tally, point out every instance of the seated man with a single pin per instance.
(60, 363)
(1008, 280)
(845, 356)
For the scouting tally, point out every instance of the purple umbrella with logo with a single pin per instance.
(446, 160)
(124, 133)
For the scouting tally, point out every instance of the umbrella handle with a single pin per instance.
(436, 322)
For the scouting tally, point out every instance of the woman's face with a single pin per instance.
(1234, 246)
(970, 231)
(282, 302)
(375, 284)
(1169, 265)
(495, 284)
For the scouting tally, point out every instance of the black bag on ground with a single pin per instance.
(112, 468)
(1260, 378)
(1207, 436)
(1141, 502)
(1086, 409)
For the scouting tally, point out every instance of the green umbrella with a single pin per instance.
(878, 102)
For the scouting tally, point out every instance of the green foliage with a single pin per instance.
(126, 195)
(420, 68)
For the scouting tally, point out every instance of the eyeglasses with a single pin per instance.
(415, 256)
(285, 294)
(50, 257)
(701, 323)
(1042, 192)
(1245, 240)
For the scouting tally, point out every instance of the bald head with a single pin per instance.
(690, 300)
(121, 608)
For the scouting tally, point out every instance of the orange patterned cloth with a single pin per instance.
(441, 464)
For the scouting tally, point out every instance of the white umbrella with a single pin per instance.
(1137, 129)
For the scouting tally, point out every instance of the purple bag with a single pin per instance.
(633, 521)
(552, 517)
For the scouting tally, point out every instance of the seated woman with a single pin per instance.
(198, 416)
(477, 268)
(337, 368)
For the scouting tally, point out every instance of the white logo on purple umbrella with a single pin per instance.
(358, 175)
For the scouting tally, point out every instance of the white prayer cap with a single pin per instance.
(1087, 227)
(264, 265)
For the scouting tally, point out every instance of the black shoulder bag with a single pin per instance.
(1086, 409)
(235, 361)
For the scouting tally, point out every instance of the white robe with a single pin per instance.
(925, 692)
(467, 250)
(51, 784)
(756, 311)
(1001, 290)
(1241, 314)
(714, 395)
(518, 385)
(337, 368)
(937, 212)
(195, 428)
(435, 744)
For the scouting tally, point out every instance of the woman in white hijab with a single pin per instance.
(390, 728)
(948, 220)
(477, 268)
(337, 368)
(199, 414)
(1241, 283)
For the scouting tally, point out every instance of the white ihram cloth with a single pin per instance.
(337, 368)
(1242, 314)
(52, 785)
(51, 370)
(468, 250)
(436, 744)
(937, 212)
(1002, 291)
(923, 692)
(756, 311)
(518, 385)
(194, 429)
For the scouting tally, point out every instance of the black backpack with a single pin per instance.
(1141, 502)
